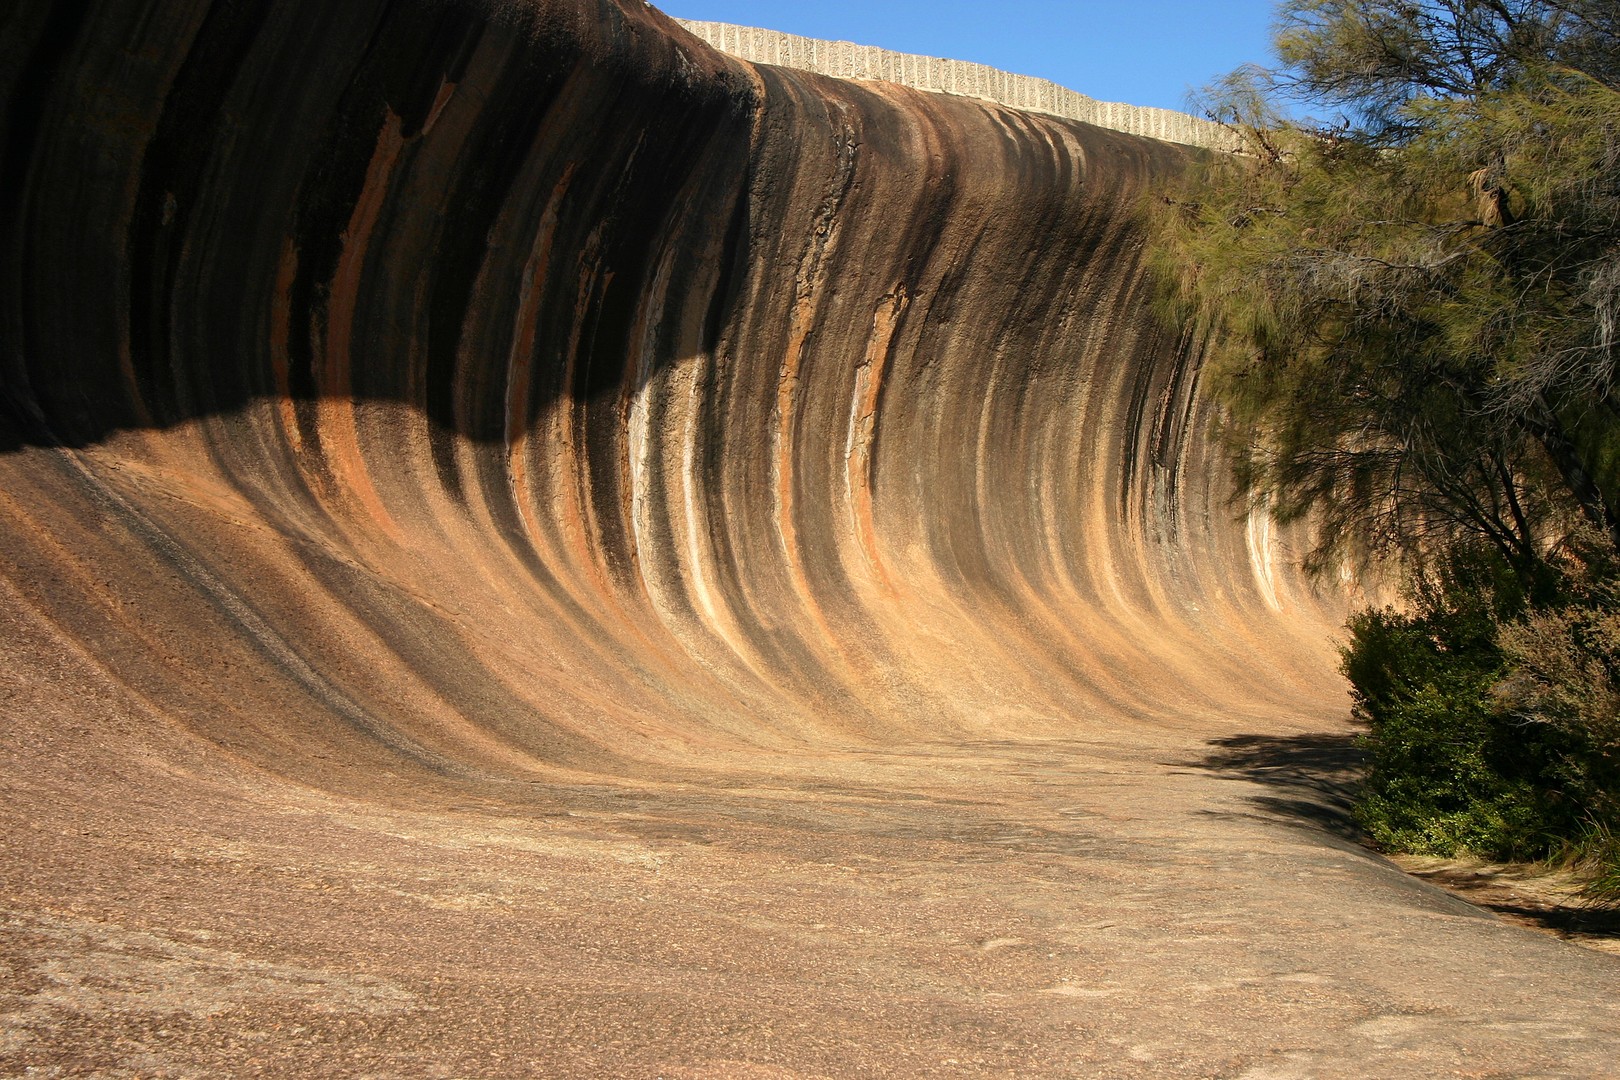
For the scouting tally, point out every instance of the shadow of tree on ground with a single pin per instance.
(1531, 896)
(1313, 779)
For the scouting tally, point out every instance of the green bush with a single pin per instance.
(1453, 766)
(1435, 784)
(1562, 682)
(1564, 672)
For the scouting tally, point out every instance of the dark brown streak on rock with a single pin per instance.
(32, 96)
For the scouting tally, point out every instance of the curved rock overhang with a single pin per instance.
(529, 547)
(475, 388)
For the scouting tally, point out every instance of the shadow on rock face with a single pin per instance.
(497, 387)
(1526, 895)
(1311, 779)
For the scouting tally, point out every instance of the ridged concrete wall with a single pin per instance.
(846, 60)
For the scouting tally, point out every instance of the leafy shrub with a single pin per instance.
(1561, 684)
(1564, 669)
(1440, 779)
(1493, 715)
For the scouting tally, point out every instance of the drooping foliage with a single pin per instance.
(1409, 277)
(1415, 298)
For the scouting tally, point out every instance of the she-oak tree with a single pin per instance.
(1413, 300)
(1412, 310)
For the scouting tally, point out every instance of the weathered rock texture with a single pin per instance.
(530, 546)
(539, 388)
(847, 60)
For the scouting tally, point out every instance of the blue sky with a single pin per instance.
(1142, 52)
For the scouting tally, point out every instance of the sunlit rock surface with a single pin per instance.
(532, 547)
(479, 397)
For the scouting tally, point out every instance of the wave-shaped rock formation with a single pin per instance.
(534, 547)
(552, 391)
(847, 60)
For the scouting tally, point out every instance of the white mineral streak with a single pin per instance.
(846, 60)
(1260, 537)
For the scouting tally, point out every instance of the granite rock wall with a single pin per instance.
(472, 388)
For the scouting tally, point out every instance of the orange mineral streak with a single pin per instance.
(340, 440)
